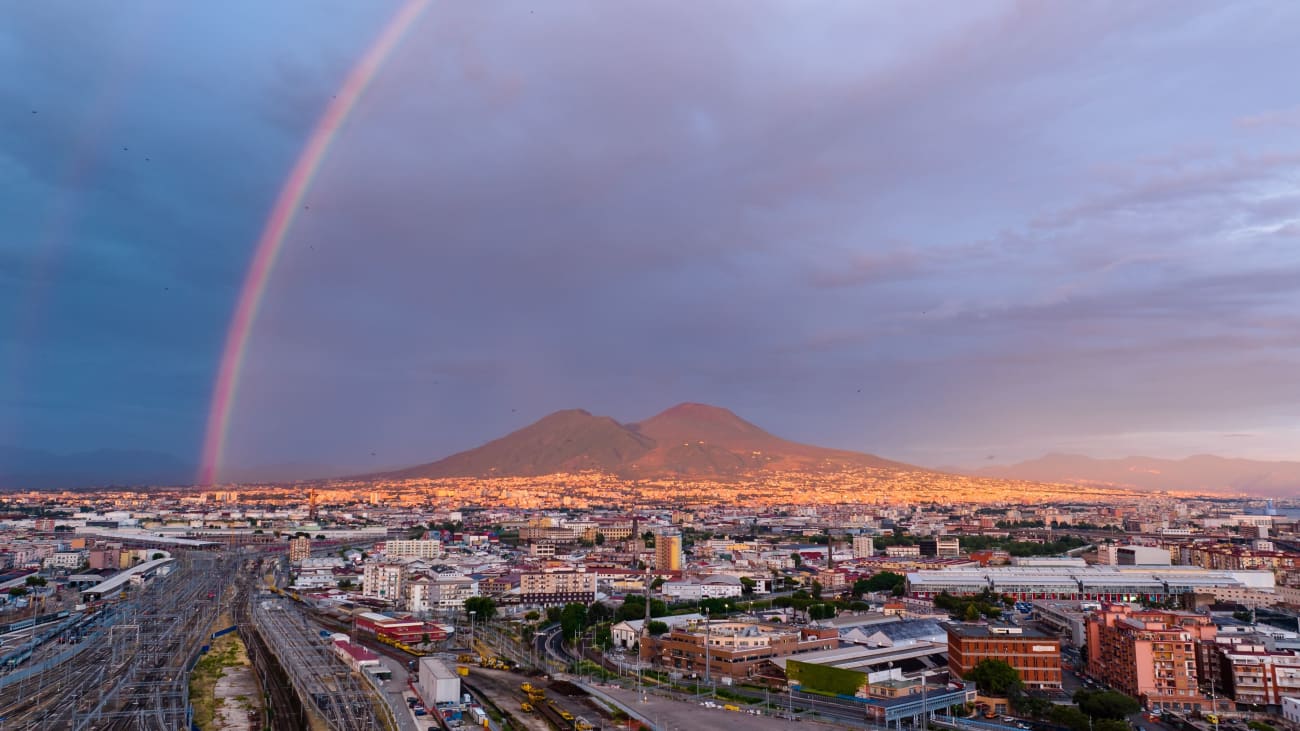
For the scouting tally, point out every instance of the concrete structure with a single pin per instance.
(413, 549)
(438, 684)
(112, 588)
(732, 649)
(549, 588)
(1035, 655)
(708, 587)
(1150, 655)
(627, 633)
(864, 546)
(941, 546)
(299, 548)
(1291, 711)
(1097, 583)
(668, 551)
(383, 581)
(1067, 617)
(1142, 556)
(1252, 674)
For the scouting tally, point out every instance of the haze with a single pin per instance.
(943, 235)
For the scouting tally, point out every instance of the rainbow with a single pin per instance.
(278, 223)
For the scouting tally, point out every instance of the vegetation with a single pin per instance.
(35, 580)
(883, 581)
(970, 608)
(1106, 703)
(656, 627)
(995, 677)
(482, 607)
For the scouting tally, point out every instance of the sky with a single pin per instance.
(947, 233)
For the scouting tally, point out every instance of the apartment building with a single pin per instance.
(384, 580)
(548, 588)
(427, 548)
(1035, 655)
(299, 548)
(1252, 674)
(864, 546)
(940, 546)
(1150, 655)
(732, 649)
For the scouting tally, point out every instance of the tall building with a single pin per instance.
(1035, 655)
(863, 546)
(668, 552)
(383, 581)
(940, 546)
(1149, 654)
(299, 548)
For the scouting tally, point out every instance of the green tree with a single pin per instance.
(1070, 717)
(798, 560)
(656, 627)
(1106, 703)
(817, 590)
(483, 607)
(995, 677)
(35, 580)
(747, 585)
(648, 538)
(532, 615)
(884, 581)
(599, 612)
(573, 619)
(1111, 724)
(600, 539)
(345, 584)
(972, 613)
(18, 591)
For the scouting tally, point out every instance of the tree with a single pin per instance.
(345, 584)
(972, 613)
(1070, 717)
(817, 590)
(1111, 724)
(884, 581)
(599, 612)
(573, 619)
(600, 539)
(483, 607)
(18, 591)
(995, 677)
(798, 560)
(656, 627)
(658, 582)
(747, 585)
(158, 555)
(648, 538)
(1106, 703)
(424, 638)
(36, 581)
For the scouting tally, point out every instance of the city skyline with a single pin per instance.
(997, 232)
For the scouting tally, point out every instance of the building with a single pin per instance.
(1035, 655)
(1252, 674)
(732, 649)
(1291, 710)
(627, 634)
(413, 549)
(1142, 556)
(383, 581)
(864, 546)
(1152, 655)
(299, 549)
(903, 551)
(407, 630)
(707, 587)
(668, 552)
(438, 684)
(940, 546)
(548, 588)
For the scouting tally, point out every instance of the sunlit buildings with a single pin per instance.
(1036, 656)
(668, 551)
(1150, 655)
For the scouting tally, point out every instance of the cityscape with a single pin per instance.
(892, 365)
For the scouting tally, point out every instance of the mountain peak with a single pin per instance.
(689, 439)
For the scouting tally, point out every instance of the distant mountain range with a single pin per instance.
(688, 440)
(1201, 473)
(38, 469)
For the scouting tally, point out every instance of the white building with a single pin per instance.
(65, 560)
(627, 633)
(383, 581)
(864, 547)
(708, 587)
(1291, 710)
(413, 549)
(437, 683)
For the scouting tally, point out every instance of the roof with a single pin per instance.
(120, 579)
(985, 630)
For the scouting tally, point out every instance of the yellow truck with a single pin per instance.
(730, 707)
(462, 670)
(526, 707)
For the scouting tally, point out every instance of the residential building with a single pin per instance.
(1149, 654)
(1252, 674)
(1142, 556)
(1035, 655)
(383, 580)
(864, 546)
(548, 588)
(299, 548)
(413, 549)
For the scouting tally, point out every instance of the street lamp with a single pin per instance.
(471, 629)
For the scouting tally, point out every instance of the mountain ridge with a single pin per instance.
(1197, 473)
(686, 440)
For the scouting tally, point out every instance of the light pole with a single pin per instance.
(471, 629)
(708, 676)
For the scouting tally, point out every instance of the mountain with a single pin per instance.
(693, 440)
(38, 469)
(1201, 473)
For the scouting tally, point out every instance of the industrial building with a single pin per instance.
(1096, 583)
(1036, 656)
(438, 684)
